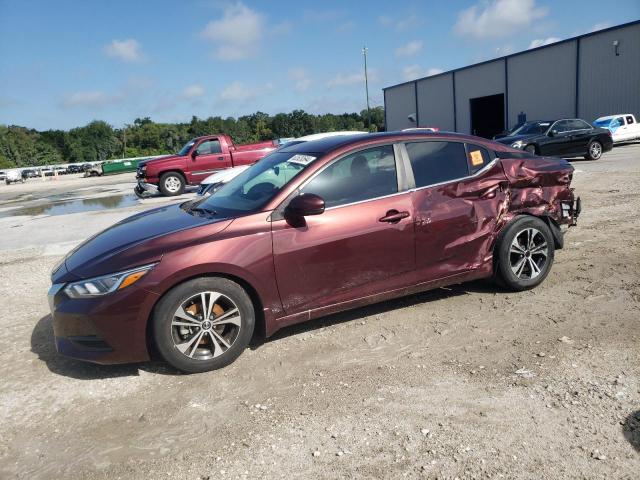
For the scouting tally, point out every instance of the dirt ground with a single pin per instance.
(463, 382)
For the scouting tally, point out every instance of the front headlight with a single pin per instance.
(518, 144)
(97, 286)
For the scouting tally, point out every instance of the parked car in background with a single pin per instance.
(29, 173)
(217, 180)
(623, 127)
(94, 170)
(3, 175)
(74, 168)
(13, 176)
(199, 158)
(314, 228)
(570, 137)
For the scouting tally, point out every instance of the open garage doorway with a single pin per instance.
(487, 115)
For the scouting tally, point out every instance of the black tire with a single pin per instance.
(167, 336)
(171, 183)
(524, 276)
(531, 149)
(594, 150)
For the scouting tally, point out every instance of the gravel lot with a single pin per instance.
(466, 382)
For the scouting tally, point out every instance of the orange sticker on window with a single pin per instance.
(476, 158)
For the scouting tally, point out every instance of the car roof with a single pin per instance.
(326, 145)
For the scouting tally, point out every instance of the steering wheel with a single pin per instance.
(260, 190)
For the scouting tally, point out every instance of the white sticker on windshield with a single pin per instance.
(301, 159)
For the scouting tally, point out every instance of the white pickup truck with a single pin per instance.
(623, 127)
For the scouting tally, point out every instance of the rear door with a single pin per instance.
(580, 133)
(361, 245)
(459, 195)
(208, 160)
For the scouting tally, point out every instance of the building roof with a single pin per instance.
(590, 34)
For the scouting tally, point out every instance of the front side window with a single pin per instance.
(618, 122)
(561, 126)
(209, 147)
(357, 177)
(437, 162)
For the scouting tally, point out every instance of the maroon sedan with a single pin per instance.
(311, 229)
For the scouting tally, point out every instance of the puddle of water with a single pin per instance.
(74, 206)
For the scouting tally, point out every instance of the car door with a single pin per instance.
(558, 143)
(208, 159)
(361, 245)
(459, 195)
(579, 134)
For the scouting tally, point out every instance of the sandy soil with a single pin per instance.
(467, 382)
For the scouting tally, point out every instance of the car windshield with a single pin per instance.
(253, 188)
(530, 128)
(187, 146)
(602, 123)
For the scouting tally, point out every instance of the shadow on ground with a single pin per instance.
(42, 338)
(631, 429)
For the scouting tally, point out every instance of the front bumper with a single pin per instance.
(108, 329)
(144, 189)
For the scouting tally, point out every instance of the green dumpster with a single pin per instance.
(120, 166)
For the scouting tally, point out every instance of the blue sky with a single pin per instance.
(65, 63)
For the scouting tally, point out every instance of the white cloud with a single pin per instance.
(241, 93)
(413, 72)
(301, 79)
(193, 91)
(539, 42)
(346, 26)
(94, 99)
(282, 28)
(600, 26)
(400, 23)
(128, 50)
(409, 49)
(347, 79)
(237, 34)
(498, 18)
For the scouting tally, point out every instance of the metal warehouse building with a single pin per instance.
(585, 77)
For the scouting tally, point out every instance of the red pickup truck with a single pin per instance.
(198, 159)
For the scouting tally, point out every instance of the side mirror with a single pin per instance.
(553, 133)
(304, 205)
(194, 153)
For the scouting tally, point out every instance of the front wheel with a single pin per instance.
(203, 324)
(594, 151)
(524, 254)
(171, 183)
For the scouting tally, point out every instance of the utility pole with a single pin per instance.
(366, 85)
(124, 150)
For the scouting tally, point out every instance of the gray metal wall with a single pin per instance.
(400, 102)
(542, 83)
(609, 84)
(435, 102)
(479, 81)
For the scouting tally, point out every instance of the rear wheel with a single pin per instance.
(171, 183)
(203, 324)
(525, 254)
(594, 151)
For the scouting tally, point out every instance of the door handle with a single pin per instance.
(394, 216)
(220, 157)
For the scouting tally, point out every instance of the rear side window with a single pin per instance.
(578, 124)
(629, 120)
(437, 162)
(477, 157)
(363, 175)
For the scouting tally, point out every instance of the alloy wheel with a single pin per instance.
(595, 150)
(172, 184)
(528, 254)
(205, 325)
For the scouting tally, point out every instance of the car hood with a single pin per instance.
(138, 240)
(164, 158)
(508, 140)
(224, 175)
